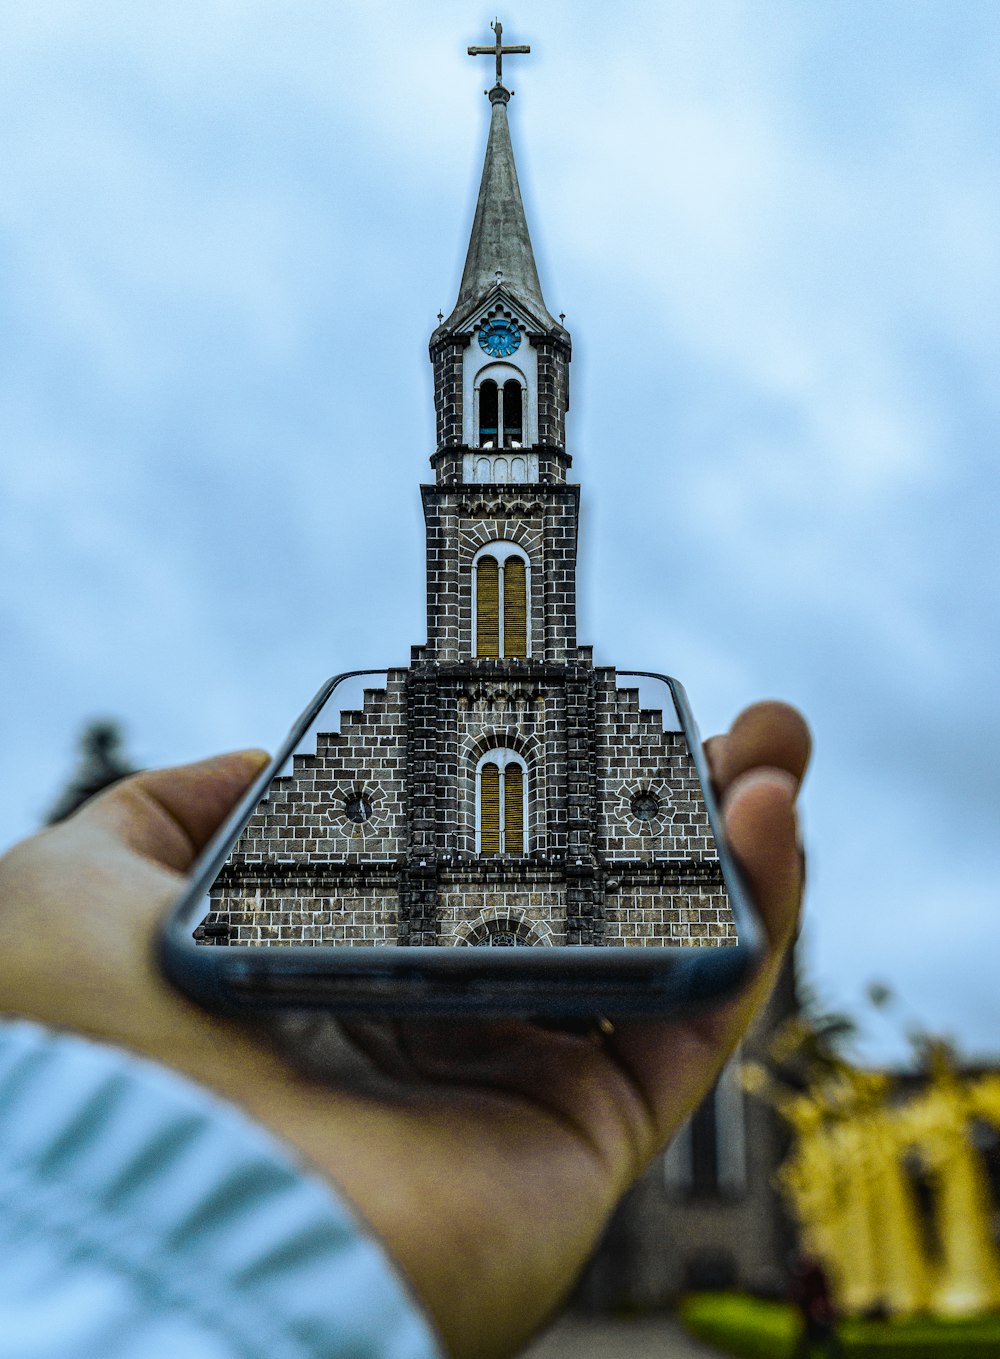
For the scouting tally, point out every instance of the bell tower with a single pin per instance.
(501, 518)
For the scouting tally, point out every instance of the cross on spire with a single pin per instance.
(498, 50)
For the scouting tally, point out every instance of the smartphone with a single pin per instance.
(527, 844)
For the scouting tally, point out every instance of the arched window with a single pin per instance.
(501, 407)
(515, 608)
(500, 938)
(489, 411)
(513, 419)
(501, 602)
(501, 803)
(487, 607)
(502, 934)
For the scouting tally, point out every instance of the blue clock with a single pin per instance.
(499, 337)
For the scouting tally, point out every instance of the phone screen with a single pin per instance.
(481, 812)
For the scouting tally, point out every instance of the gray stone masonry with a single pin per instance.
(540, 519)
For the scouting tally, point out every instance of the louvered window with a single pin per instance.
(501, 799)
(501, 604)
(515, 608)
(489, 809)
(513, 809)
(487, 607)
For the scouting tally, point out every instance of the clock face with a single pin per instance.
(499, 337)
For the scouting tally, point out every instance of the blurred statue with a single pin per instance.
(102, 762)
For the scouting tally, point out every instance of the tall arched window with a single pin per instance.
(487, 606)
(489, 414)
(513, 420)
(501, 803)
(501, 601)
(515, 608)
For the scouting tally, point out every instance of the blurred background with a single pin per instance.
(227, 231)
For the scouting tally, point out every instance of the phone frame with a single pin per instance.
(561, 982)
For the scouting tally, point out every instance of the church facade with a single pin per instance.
(502, 789)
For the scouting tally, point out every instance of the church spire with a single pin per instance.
(501, 361)
(500, 253)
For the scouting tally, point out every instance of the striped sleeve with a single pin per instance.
(143, 1216)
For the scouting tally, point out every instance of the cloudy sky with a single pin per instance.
(773, 227)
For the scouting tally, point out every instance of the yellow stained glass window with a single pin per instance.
(489, 809)
(515, 608)
(513, 807)
(487, 607)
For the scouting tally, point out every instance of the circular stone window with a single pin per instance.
(358, 808)
(645, 806)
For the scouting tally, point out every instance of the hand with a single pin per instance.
(487, 1156)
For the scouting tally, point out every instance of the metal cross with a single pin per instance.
(498, 50)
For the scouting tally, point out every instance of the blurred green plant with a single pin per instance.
(753, 1328)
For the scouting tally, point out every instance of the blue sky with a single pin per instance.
(228, 228)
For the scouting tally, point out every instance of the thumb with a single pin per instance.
(168, 815)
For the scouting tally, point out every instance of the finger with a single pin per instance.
(168, 815)
(768, 735)
(714, 749)
(674, 1064)
(762, 831)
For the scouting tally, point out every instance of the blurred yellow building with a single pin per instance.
(888, 1180)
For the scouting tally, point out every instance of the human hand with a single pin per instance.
(487, 1156)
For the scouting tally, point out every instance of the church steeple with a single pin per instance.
(500, 254)
(501, 360)
(501, 517)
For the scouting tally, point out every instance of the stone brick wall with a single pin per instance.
(459, 521)
(446, 358)
(641, 916)
(305, 816)
(635, 756)
(553, 388)
(299, 915)
(535, 910)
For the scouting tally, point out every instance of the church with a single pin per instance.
(502, 789)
